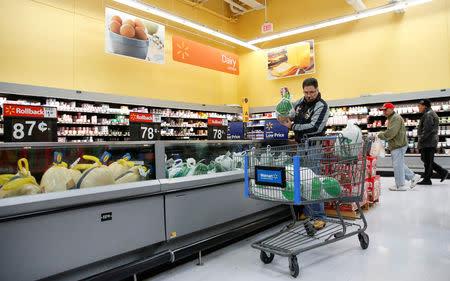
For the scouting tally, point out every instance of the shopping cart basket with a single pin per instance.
(319, 169)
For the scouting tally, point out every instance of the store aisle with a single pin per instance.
(409, 240)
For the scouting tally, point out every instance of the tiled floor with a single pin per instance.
(409, 240)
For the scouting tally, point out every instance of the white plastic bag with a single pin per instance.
(352, 133)
(377, 148)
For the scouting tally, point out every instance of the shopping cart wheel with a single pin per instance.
(265, 258)
(293, 266)
(363, 240)
(309, 227)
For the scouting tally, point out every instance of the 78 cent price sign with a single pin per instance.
(217, 128)
(145, 127)
(25, 123)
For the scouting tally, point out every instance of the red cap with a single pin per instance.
(387, 105)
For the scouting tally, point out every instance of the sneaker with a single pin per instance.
(414, 180)
(444, 176)
(424, 182)
(398, 188)
(319, 224)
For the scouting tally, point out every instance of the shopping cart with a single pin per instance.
(319, 169)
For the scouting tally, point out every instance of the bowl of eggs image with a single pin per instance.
(129, 37)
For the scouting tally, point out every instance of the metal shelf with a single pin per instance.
(90, 124)
(88, 112)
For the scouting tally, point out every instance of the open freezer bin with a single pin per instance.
(58, 224)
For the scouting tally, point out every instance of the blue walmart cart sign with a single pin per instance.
(273, 130)
(236, 131)
(272, 176)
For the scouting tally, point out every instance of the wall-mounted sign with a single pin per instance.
(25, 123)
(274, 130)
(217, 128)
(291, 60)
(145, 127)
(134, 37)
(190, 52)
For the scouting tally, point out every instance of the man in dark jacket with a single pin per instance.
(311, 116)
(428, 140)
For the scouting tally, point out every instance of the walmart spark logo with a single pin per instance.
(8, 110)
(183, 50)
(269, 126)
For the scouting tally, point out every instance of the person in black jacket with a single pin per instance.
(311, 116)
(428, 140)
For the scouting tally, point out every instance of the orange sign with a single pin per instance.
(190, 52)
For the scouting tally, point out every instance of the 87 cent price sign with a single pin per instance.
(24, 123)
(217, 129)
(145, 127)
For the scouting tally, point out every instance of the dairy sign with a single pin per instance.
(26, 123)
(191, 52)
(274, 130)
(145, 127)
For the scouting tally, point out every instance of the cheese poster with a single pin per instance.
(291, 60)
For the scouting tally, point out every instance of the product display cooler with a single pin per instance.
(73, 211)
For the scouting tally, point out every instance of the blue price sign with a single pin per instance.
(236, 130)
(273, 130)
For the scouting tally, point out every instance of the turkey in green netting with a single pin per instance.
(284, 107)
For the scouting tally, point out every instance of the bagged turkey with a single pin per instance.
(284, 107)
(57, 177)
(121, 166)
(23, 183)
(98, 174)
(137, 173)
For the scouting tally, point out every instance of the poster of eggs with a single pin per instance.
(130, 36)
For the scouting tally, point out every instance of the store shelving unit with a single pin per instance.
(95, 116)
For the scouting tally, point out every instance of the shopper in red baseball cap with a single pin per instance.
(387, 105)
(395, 135)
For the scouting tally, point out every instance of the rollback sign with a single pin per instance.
(26, 123)
(145, 127)
(217, 128)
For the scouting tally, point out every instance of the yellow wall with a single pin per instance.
(385, 53)
(60, 44)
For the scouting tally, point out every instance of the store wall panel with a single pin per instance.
(61, 44)
(36, 247)
(386, 53)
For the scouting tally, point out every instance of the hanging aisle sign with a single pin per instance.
(245, 110)
(274, 130)
(25, 123)
(145, 127)
(217, 128)
(191, 52)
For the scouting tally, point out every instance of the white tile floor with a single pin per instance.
(409, 240)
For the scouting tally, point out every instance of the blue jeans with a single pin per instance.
(316, 210)
(401, 171)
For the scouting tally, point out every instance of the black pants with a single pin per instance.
(427, 156)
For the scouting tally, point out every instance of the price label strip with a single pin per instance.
(25, 123)
(145, 127)
(217, 128)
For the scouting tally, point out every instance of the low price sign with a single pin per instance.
(145, 127)
(26, 123)
(217, 128)
(236, 130)
(274, 130)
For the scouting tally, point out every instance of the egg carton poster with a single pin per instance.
(291, 60)
(131, 36)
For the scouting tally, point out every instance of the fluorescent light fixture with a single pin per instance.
(358, 15)
(164, 14)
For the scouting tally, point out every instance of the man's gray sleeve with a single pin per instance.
(318, 121)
